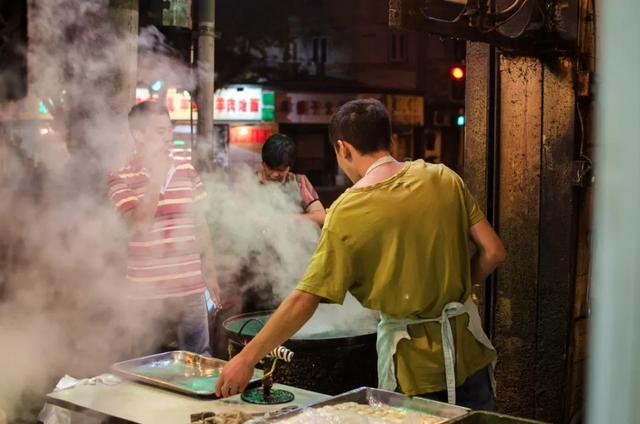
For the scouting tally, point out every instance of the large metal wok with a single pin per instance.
(330, 361)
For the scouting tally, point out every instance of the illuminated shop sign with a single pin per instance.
(234, 104)
(317, 108)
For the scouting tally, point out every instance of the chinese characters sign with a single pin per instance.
(308, 108)
(317, 108)
(229, 104)
(238, 104)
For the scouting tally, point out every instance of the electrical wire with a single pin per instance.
(507, 20)
(528, 26)
(582, 138)
(517, 4)
(424, 11)
(507, 10)
(513, 10)
(525, 27)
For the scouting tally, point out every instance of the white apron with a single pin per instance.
(392, 330)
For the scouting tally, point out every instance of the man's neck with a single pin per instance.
(155, 162)
(367, 160)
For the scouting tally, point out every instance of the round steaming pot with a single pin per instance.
(330, 362)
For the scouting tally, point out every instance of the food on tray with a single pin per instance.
(356, 413)
(236, 417)
(233, 417)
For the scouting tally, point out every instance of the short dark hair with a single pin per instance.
(364, 123)
(279, 151)
(142, 111)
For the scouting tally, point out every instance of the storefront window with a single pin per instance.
(178, 14)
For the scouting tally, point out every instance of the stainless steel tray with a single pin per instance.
(377, 397)
(482, 417)
(179, 371)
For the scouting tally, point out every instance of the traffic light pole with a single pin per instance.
(207, 155)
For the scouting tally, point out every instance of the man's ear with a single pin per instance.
(344, 149)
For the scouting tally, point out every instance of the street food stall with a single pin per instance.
(132, 400)
(178, 387)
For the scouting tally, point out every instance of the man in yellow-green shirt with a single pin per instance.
(398, 241)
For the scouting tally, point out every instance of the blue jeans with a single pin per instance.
(161, 322)
(187, 318)
(193, 326)
(474, 393)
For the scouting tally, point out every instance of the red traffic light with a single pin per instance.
(457, 72)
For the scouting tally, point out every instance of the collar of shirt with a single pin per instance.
(135, 163)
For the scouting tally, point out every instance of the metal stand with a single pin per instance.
(266, 395)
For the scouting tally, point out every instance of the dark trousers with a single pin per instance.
(475, 393)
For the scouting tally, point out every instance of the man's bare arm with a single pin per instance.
(490, 252)
(290, 316)
(139, 219)
(315, 212)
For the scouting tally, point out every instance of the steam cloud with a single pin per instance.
(62, 246)
(259, 225)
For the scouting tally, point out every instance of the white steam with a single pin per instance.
(62, 246)
(259, 226)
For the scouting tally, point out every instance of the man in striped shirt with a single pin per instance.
(159, 196)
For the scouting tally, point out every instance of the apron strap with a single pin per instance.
(449, 348)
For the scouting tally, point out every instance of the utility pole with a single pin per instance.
(207, 156)
(124, 19)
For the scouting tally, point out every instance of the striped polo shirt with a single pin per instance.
(164, 261)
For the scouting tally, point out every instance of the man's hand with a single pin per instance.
(234, 377)
(140, 219)
(158, 167)
(214, 291)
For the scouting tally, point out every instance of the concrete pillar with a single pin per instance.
(206, 153)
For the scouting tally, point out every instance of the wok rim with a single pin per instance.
(324, 342)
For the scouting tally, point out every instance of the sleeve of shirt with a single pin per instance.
(474, 212)
(308, 193)
(330, 272)
(121, 195)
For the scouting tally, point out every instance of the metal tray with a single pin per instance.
(178, 371)
(482, 417)
(377, 397)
